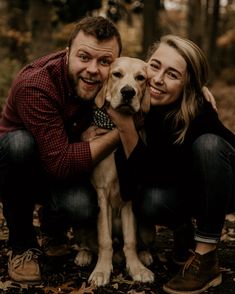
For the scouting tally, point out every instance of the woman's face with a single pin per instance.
(167, 75)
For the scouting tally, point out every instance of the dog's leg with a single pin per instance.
(146, 236)
(101, 274)
(86, 237)
(136, 269)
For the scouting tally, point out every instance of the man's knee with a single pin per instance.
(81, 204)
(19, 146)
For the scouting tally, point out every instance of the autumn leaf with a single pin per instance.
(134, 292)
(84, 289)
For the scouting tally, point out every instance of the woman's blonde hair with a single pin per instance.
(196, 77)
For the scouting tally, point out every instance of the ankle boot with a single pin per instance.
(199, 273)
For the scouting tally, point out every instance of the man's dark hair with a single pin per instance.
(101, 28)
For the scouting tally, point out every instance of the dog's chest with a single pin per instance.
(105, 180)
(104, 176)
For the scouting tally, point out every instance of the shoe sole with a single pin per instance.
(215, 282)
(17, 279)
(31, 283)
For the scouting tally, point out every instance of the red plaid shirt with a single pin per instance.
(42, 101)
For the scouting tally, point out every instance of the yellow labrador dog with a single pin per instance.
(125, 90)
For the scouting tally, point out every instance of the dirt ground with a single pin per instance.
(61, 275)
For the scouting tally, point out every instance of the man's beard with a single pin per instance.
(81, 89)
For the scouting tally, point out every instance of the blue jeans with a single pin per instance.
(208, 197)
(23, 182)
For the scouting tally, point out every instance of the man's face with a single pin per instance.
(88, 63)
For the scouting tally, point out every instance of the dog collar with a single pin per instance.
(102, 120)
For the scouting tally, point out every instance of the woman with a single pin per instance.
(186, 169)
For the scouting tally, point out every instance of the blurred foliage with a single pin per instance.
(17, 37)
(8, 70)
(71, 10)
(228, 76)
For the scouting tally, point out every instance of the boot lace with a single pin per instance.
(27, 256)
(192, 263)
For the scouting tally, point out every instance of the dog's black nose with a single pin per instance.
(127, 93)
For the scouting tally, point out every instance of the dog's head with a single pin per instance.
(125, 88)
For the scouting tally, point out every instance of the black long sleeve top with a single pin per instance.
(161, 161)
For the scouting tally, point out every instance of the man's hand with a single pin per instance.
(102, 142)
(92, 133)
(209, 97)
(121, 120)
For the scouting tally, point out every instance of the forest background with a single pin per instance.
(32, 28)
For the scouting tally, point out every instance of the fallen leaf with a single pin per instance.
(115, 286)
(134, 292)
(90, 289)
(5, 285)
(230, 217)
(120, 279)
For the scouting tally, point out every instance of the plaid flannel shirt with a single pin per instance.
(42, 102)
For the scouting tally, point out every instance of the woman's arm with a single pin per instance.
(127, 131)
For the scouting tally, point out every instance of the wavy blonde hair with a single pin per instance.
(196, 77)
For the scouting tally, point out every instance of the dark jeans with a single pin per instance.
(209, 197)
(24, 183)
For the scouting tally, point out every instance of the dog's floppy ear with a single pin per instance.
(145, 103)
(100, 97)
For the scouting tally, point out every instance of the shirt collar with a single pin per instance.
(68, 84)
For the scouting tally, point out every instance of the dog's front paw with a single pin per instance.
(100, 275)
(83, 257)
(141, 274)
(144, 276)
(145, 257)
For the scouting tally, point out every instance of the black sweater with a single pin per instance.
(162, 162)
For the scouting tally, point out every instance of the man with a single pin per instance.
(41, 155)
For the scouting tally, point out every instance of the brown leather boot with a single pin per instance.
(199, 273)
(24, 267)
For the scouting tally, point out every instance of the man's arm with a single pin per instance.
(103, 143)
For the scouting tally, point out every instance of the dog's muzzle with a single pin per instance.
(127, 93)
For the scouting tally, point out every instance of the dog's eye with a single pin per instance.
(117, 74)
(140, 78)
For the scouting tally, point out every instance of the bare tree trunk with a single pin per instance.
(205, 26)
(203, 19)
(41, 28)
(195, 21)
(212, 50)
(152, 27)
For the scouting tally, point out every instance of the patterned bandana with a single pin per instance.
(102, 120)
